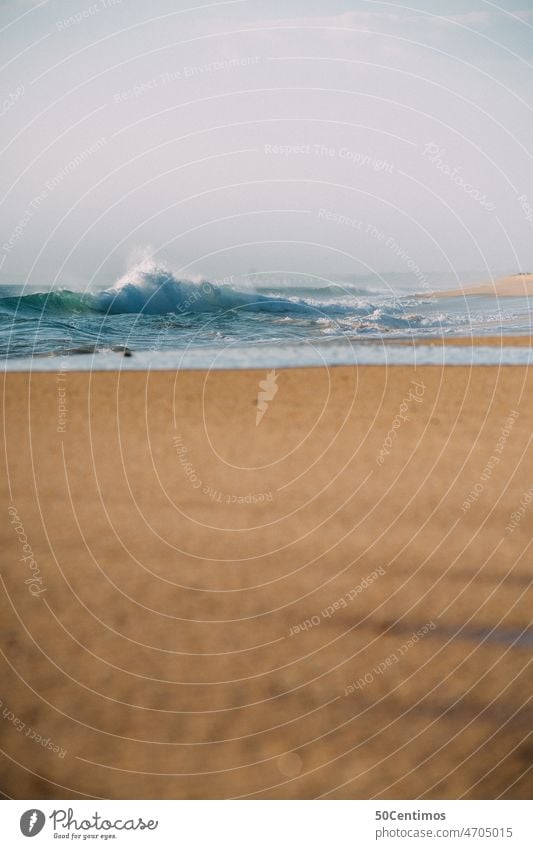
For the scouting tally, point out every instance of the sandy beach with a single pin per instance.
(507, 341)
(329, 603)
(515, 286)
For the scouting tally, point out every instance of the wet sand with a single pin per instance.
(472, 341)
(330, 603)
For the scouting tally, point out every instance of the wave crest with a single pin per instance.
(154, 290)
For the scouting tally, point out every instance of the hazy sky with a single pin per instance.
(320, 136)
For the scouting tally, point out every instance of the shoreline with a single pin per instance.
(341, 353)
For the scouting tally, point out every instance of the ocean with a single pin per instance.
(151, 318)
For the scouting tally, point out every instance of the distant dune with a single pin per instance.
(513, 286)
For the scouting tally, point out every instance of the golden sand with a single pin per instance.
(518, 285)
(294, 609)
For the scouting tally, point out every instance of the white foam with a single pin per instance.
(154, 290)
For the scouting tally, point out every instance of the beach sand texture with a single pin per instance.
(207, 591)
(514, 286)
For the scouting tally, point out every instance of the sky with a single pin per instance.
(323, 137)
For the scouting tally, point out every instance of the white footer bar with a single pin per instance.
(267, 824)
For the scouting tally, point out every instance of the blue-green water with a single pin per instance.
(274, 320)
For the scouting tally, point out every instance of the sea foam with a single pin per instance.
(154, 290)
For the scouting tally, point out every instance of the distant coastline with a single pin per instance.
(515, 286)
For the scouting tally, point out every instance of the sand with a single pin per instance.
(301, 608)
(507, 341)
(517, 285)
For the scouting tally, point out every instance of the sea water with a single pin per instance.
(151, 318)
